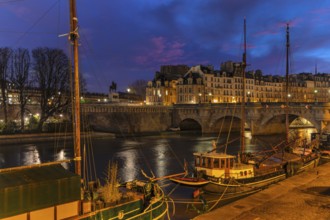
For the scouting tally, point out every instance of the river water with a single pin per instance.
(157, 156)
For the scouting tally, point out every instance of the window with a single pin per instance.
(216, 163)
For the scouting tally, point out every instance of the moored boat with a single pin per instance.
(225, 174)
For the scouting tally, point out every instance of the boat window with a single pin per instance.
(245, 173)
(197, 161)
(222, 165)
(209, 163)
(204, 161)
(241, 173)
(216, 163)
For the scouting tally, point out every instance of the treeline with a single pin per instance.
(44, 69)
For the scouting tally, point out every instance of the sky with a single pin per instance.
(128, 40)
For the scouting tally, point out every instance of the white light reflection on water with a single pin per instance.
(61, 155)
(31, 155)
(161, 152)
(129, 157)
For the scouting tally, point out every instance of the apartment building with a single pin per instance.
(203, 84)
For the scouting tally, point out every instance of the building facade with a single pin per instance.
(203, 84)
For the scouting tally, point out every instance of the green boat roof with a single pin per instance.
(33, 188)
(33, 175)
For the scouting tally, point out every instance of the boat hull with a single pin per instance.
(155, 208)
(132, 210)
(243, 185)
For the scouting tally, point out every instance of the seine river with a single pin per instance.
(156, 155)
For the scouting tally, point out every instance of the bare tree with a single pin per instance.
(20, 65)
(139, 87)
(4, 60)
(83, 84)
(52, 74)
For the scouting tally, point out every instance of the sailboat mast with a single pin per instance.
(287, 83)
(74, 40)
(243, 93)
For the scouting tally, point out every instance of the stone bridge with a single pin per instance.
(209, 118)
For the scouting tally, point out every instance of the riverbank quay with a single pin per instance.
(41, 137)
(305, 196)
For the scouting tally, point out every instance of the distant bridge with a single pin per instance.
(261, 118)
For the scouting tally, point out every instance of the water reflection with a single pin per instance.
(61, 155)
(161, 154)
(129, 159)
(30, 155)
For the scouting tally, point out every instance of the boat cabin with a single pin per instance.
(221, 165)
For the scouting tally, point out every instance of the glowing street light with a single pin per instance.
(315, 95)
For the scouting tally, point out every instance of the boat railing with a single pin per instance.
(239, 166)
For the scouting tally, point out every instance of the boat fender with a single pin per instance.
(196, 193)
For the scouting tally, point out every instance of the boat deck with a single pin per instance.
(298, 197)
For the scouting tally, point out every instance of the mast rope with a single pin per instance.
(223, 122)
(229, 131)
(216, 203)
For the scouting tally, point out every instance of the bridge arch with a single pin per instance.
(275, 123)
(190, 124)
(226, 124)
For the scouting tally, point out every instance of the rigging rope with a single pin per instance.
(223, 122)
(220, 196)
(231, 124)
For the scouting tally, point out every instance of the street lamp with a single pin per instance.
(200, 96)
(160, 96)
(128, 90)
(315, 95)
(248, 94)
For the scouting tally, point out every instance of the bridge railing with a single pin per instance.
(103, 108)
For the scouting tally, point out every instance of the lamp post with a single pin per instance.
(160, 99)
(315, 95)
(248, 94)
(128, 95)
(210, 95)
(200, 96)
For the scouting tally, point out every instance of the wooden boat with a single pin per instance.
(189, 181)
(239, 175)
(48, 191)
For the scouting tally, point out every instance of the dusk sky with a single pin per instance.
(128, 40)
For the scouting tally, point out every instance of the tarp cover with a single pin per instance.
(35, 188)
